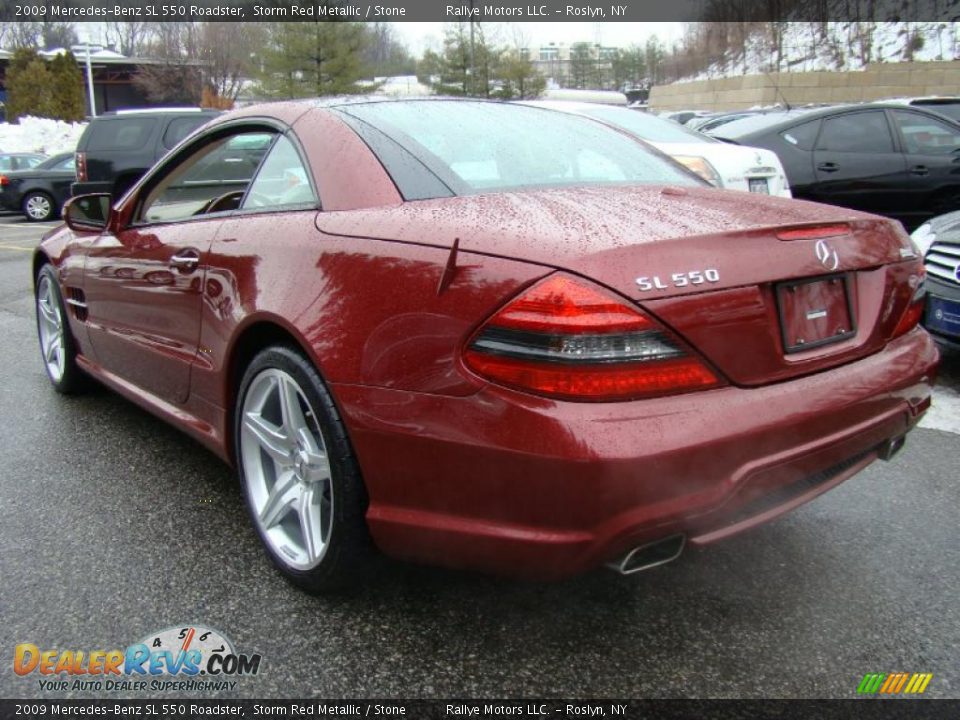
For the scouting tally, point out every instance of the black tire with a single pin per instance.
(71, 379)
(38, 206)
(348, 549)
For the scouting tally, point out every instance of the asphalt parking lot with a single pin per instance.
(113, 526)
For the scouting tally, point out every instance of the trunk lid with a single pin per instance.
(717, 267)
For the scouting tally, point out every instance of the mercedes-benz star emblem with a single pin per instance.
(827, 255)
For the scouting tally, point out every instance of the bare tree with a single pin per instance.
(129, 38)
(18, 35)
(175, 74)
(224, 52)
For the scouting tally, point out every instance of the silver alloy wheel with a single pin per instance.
(50, 326)
(38, 207)
(286, 469)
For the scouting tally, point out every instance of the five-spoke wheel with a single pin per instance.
(56, 343)
(297, 470)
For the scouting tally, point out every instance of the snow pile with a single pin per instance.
(844, 46)
(33, 134)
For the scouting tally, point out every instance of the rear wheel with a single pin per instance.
(38, 206)
(57, 349)
(298, 473)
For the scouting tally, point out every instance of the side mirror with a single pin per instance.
(88, 213)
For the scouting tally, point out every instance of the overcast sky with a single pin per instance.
(422, 35)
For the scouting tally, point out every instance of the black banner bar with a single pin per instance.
(479, 10)
(164, 709)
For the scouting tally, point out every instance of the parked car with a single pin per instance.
(706, 124)
(939, 242)
(39, 193)
(684, 116)
(487, 335)
(116, 148)
(720, 164)
(20, 161)
(949, 106)
(889, 159)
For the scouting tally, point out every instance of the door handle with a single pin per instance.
(828, 167)
(919, 170)
(186, 260)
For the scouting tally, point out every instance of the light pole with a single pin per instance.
(93, 100)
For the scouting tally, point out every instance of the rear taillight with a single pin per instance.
(80, 161)
(4, 180)
(568, 338)
(914, 312)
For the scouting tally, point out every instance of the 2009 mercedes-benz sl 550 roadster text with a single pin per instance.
(486, 335)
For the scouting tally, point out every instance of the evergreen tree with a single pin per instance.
(518, 77)
(311, 59)
(68, 101)
(28, 86)
(582, 65)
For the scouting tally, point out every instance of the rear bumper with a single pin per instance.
(510, 483)
(85, 188)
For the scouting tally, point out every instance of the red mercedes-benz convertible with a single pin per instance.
(486, 335)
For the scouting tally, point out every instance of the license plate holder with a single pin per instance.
(943, 316)
(758, 185)
(815, 312)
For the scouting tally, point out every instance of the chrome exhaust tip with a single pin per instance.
(890, 448)
(644, 557)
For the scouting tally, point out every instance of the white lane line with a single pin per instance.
(945, 412)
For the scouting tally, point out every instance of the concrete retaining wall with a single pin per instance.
(875, 82)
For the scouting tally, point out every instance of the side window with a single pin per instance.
(66, 164)
(803, 136)
(923, 135)
(128, 133)
(180, 127)
(214, 178)
(6, 163)
(282, 180)
(862, 132)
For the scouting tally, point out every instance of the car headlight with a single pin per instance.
(923, 237)
(701, 166)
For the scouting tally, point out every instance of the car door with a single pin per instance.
(932, 151)
(143, 284)
(857, 165)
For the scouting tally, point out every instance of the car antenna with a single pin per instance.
(776, 87)
(451, 268)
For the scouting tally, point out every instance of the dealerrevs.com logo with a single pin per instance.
(182, 659)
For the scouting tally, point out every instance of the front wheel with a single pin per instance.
(57, 349)
(299, 477)
(38, 206)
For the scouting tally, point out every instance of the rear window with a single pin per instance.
(129, 133)
(481, 146)
(802, 136)
(180, 127)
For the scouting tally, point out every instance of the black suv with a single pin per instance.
(118, 147)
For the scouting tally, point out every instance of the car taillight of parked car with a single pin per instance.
(81, 165)
(567, 338)
(4, 180)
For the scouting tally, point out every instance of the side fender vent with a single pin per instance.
(77, 302)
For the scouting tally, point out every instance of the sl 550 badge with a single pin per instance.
(678, 280)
